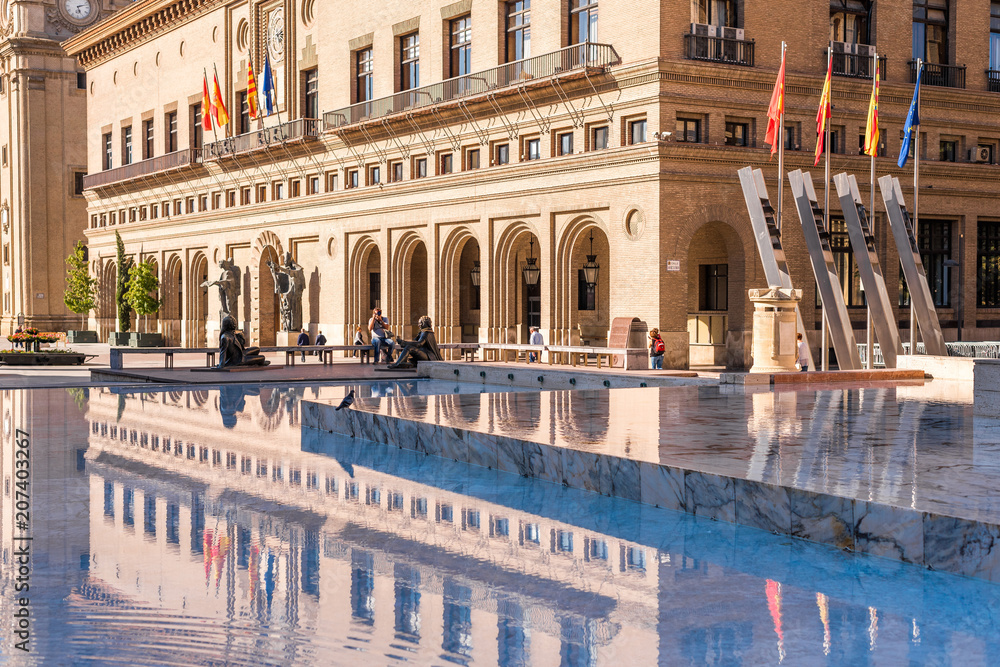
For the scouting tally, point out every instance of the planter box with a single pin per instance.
(81, 337)
(118, 338)
(145, 340)
(41, 359)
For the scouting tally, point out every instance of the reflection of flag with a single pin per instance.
(912, 125)
(871, 127)
(267, 87)
(824, 112)
(772, 590)
(824, 615)
(206, 106)
(775, 109)
(218, 106)
(251, 90)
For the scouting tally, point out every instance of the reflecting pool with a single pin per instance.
(207, 528)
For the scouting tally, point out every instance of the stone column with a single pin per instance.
(774, 327)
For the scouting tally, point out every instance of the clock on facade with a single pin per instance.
(78, 10)
(276, 34)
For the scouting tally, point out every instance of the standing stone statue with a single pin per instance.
(289, 283)
(229, 288)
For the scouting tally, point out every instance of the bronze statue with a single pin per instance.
(424, 348)
(233, 350)
(289, 283)
(229, 287)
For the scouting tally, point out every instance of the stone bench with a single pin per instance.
(325, 352)
(468, 350)
(561, 353)
(118, 354)
(502, 351)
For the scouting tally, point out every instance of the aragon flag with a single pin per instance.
(775, 109)
(218, 106)
(252, 90)
(824, 113)
(871, 127)
(206, 106)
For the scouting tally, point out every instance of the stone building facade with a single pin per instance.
(427, 157)
(43, 156)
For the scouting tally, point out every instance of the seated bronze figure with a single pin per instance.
(424, 348)
(233, 350)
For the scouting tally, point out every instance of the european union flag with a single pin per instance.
(912, 125)
(267, 87)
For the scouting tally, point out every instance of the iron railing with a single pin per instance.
(948, 76)
(292, 131)
(993, 80)
(153, 165)
(719, 49)
(569, 59)
(856, 66)
(976, 349)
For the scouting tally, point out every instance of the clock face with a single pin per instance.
(275, 34)
(79, 10)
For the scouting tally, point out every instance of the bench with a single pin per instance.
(557, 354)
(502, 351)
(468, 350)
(325, 352)
(118, 353)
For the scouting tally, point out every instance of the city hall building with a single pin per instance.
(498, 165)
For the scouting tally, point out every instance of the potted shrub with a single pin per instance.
(121, 337)
(32, 355)
(81, 293)
(142, 286)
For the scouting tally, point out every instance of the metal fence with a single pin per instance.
(719, 49)
(977, 349)
(935, 74)
(300, 129)
(146, 167)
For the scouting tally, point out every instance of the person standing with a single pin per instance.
(378, 327)
(656, 350)
(303, 340)
(803, 353)
(321, 339)
(535, 339)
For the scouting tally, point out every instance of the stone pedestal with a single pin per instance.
(286, 338)
(774, 328)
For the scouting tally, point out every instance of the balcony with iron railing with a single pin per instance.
(719, 49)
(565, 62)
(856, 66)
(935, 74)
(993, 80)
(148, 167)
(283, 134)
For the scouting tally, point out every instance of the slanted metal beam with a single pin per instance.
(859, 229)
(913, 268)
(768, 237)
(821, 256)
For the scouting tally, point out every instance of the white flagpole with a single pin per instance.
(871, 223)
(781, 146)
(824, 363)
(916, 202)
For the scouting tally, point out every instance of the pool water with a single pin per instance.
(208, 528)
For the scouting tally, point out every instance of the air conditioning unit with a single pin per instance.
(704, 30)
(979, 154)
(864, 50)
(841, 47)
(733, 33)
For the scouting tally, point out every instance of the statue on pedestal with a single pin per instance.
(289, 283)
(424, 348)
(233, 350)
(229, 288)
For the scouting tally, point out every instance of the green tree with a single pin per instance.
(142, 287)
(81, 288)
(121, 286)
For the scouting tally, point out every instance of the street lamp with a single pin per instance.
(531, 272)
(591, 268)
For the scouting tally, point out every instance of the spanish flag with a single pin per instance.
(824, 112)
(252, 90)
(207, 110)
(776, 108)
(871, 127)
(218, 106)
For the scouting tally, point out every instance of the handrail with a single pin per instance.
(293, 130)
(855, 66)
(937, 74)
(993, 80)
(146, 167)
(571, 58)
(719, 49)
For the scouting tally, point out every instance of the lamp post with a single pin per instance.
(530, 270)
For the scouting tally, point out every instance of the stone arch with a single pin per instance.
(508, 302)
(570, 324)
(264, 310)
(408, 295)
(364, 256)
(457, 297)
(197, 298)
(107, 313)
(172, 293)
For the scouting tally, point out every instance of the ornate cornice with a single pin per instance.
(135, 25)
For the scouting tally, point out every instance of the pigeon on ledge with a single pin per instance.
(347, 402)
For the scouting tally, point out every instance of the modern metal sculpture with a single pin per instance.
(821, 256)
(767, 235)
(913, 269)
(859, 229)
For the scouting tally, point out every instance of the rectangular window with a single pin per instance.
(790, 143)
(81, 80)
(582, 21)
(409, 61)
(230, 198)
(396, 172)
(988, 265)
(245, 197)
(295, 188)
(312, 185)
(197, 131)
(310, 87)
(127, 145)
(332, 181)
(261, 194)
(3, 156)
(170, 132)
(994, 39)
(374, 291)
(532, 149)
(154, 211)
(190, 205)
(930, 31)
(472, 158)
(445, 164)
(599, 138)
(565, 143)
(847, 266)
(518, 30)
(364, 86)
(460, 60)
(935, 251)
(108, 151)
(637, 131)
(203, 203)
(374, 175)
(147, 133)
(688, 130)
(948, 150)
(737, 134)
(502, 154)
(586, 294)
(714, 290)
(278, 190)
(78, 183)
(420, 167)
(244, 119)
(849, 22)
(352, 178)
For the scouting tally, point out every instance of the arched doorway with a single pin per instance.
(196, 320)
(516, 285)
(364, 289)
(716, 304)
(408, 291)
(172, 293)
(583, 285)
(460, 275)
(107, 315)
(267, 302)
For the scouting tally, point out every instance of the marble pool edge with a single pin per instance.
(938, 542)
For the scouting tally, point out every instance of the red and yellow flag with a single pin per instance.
(824, 112)
(775, 109)
(206, 106)
(252, 90)
(871, 127)
(218, 106)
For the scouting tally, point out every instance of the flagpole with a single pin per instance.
(781, 147)
(916, 205)
(869, 348)
(824, 363)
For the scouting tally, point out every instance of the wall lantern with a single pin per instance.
(591, 268)
(531, 272)
(474, 274)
